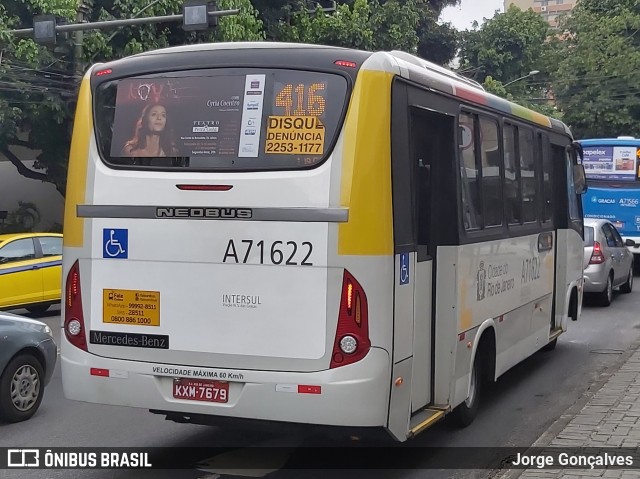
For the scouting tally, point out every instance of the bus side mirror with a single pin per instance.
(579, 151)
(579, 179)
(630, 242)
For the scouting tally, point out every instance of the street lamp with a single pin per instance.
(530, 74)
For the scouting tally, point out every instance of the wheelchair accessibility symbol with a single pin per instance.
(115, 243)
(404, 268)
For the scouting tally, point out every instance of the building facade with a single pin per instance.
(550, 10)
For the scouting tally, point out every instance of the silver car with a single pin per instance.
(608, 264)
(28, 357)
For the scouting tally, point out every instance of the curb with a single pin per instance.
(573, 410)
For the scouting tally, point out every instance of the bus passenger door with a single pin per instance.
(423, 145)
(431, 139)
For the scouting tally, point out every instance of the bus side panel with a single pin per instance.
(503, 282)
(621, 206)
(446, 320)
(569, 273)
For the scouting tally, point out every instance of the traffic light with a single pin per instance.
(195, 15)
(44, 28)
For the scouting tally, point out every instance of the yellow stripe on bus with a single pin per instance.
(77, 175)
(366, 168)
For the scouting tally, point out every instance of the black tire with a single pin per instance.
(21, 388)
(465, 413)
(550, 346)
(605, 297)
(38, 309)
(628, 286)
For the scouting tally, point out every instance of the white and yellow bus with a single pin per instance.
(311, 235)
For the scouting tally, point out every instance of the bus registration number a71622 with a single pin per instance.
(201, 390)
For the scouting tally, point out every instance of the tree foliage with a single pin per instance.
(409, 25)
(503, 52)
(365, 25)
(37, 88)
(506, 47)
(596, 83)
(38, 84)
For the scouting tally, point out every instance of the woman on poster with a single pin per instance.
(153, 136)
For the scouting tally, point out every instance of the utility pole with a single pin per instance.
(82, 16)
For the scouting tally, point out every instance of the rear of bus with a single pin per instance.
(218, 269)
(612, 167)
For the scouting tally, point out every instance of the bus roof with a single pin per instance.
(446, 81)
(620, 141)
(412, 67)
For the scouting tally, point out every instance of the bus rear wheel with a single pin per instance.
(466, 412)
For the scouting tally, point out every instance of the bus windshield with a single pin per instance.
(613, 164)
(220, 119)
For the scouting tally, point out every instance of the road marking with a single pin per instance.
(227, 462)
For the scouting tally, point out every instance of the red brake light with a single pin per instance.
(352, 341)
(596, 257)
(100, 73)
(344, 63)
(73, 316)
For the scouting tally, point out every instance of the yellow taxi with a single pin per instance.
(30, 270)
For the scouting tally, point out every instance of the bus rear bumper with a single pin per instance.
(356, 395)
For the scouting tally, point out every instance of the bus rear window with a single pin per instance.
(611, 163)
(226, 119)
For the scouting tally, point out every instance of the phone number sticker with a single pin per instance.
(124, 306)
(295, 135)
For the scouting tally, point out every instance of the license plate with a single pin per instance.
(201, 390)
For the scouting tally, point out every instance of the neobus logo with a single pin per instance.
(197, 212)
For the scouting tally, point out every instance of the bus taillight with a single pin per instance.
(73, 317)
(352, 341)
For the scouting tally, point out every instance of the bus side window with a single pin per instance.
(511, 177)
(529, 180)
(491, 166)
(469, 174)
(547, 171)
(575, 203)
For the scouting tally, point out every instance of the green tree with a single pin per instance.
(37, 88)
(409, 25)
(102, 45)
(507, 47)
(365, 25)
(597, 84)
(39, 84)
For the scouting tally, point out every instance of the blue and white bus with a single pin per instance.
(612, 166)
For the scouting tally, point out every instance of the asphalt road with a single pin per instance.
(515, 412)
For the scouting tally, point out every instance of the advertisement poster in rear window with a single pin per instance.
(610, 163)
(188, 117)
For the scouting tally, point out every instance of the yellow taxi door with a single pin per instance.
(20, 273)
(51, 267)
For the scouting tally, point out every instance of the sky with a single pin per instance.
(464, 14)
